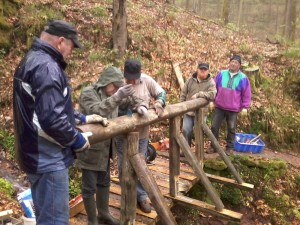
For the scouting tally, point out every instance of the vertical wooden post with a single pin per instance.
(199, 138)
(129, 180)
(174, 154)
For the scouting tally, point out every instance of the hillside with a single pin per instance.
(160, 35)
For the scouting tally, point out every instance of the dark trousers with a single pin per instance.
(231, 120)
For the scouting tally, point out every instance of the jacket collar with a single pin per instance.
(39, 44)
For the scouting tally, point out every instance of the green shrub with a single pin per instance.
(6, 187)
(7, 142)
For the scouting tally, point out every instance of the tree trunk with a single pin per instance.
(225, 11)
(240, 13)
(290, 19)
(187, 5)
(119, 27)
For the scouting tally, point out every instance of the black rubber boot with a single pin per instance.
(102, 198)
(90, 208)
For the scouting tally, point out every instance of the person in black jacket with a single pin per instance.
(46, 139)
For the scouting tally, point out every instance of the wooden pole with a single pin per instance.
(145, 177)
(126, 124)
(129, 181)
(225, 158)
(199, 172)
(174, 155)
(199, 138)
(178, 73)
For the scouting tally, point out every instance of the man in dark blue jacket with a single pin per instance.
(46, 139)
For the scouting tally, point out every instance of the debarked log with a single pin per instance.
(125, 124)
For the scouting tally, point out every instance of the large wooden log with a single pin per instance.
(146, 178)
(199, 172)
(174, 163)
(199, 138)
(217, 146)
(125, 124)
(178, 73)
(128, 181)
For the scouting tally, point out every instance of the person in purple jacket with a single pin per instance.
(233, 96)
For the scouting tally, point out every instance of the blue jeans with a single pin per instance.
(231, 120)
(50, 195)
(92, 179)
(187, 127)
(143, 144)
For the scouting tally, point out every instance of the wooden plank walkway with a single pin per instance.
(160, 172)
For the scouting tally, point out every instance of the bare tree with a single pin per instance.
(240, 12)
(290, 19)
(187, 5)
(225, 11)
(119, 27)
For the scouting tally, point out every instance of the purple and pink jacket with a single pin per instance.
(233, 93)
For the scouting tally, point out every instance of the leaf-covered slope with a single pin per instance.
(159, 34)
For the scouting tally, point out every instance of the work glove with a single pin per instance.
(194, 96)
(244, 113)
(125, 91)
(142, 111)
(82, 144)
(200, 94)
(94, 118)
(159, 109)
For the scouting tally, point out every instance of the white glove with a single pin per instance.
(125, 91)
(86, 144)
(142, 111)
(194, 96)
(244, 113)
(94, 118)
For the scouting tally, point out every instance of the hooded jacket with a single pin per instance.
(44, 119)
(205, 88)
(93, 100)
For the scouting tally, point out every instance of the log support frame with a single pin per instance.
(134, 165)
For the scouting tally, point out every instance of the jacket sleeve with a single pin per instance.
(246, 94)
(162, 98)
(93, 102)
(210, 93)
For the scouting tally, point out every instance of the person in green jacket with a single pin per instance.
(102, 98)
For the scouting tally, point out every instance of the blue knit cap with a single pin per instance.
(237, 58)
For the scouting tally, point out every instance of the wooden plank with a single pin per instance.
(5, 214)
(230, 182)
(209, 209)
(183, 175)
(162, 181)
